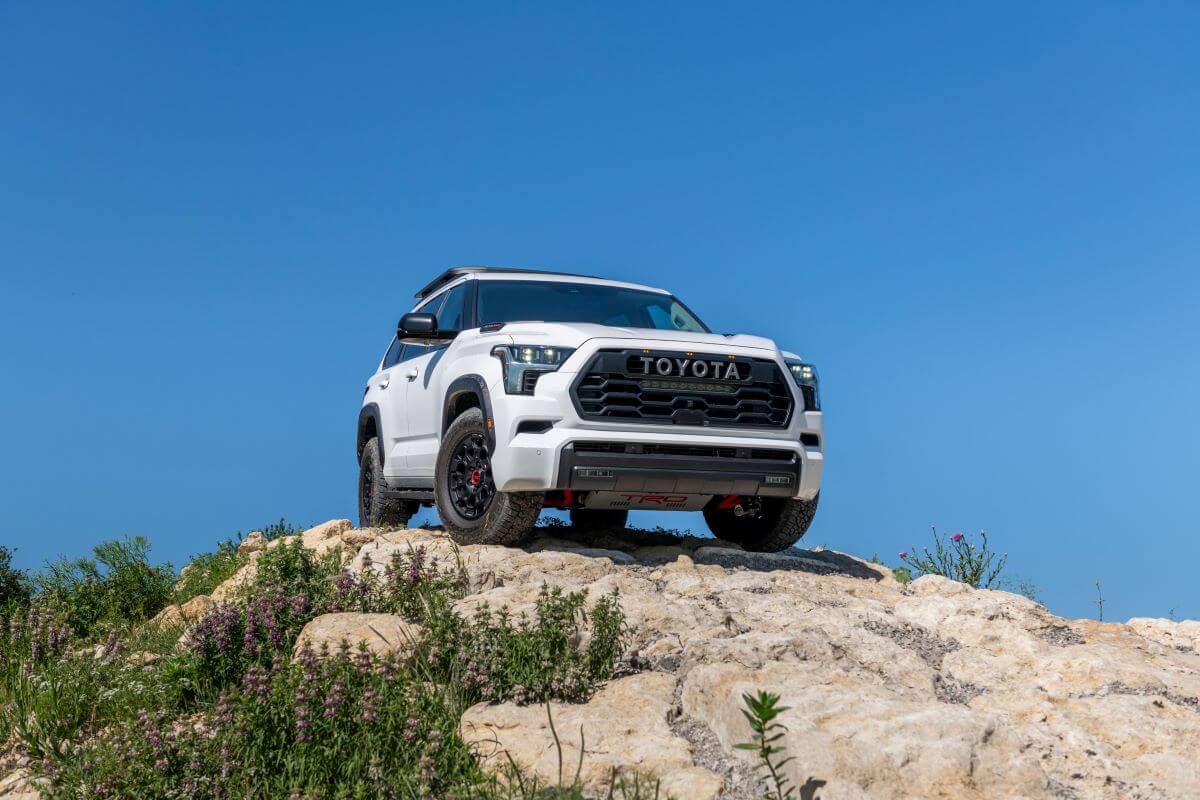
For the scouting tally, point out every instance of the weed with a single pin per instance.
(959, 559)
(761, 711)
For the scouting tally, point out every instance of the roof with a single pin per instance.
(457, 272)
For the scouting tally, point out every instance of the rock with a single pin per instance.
(930, 689)
(244, 577)
(1180, 635)
(174, 616)
(253, 543)
(357, 538)
(17, 785)
(144, 658)
(383, 634)
(624, 727)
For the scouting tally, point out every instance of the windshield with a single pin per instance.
(554, 301)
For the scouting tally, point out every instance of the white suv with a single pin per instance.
(507, 391)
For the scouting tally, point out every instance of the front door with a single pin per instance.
(424, 390)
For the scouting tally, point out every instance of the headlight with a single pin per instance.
(810, 385)
(523, 363)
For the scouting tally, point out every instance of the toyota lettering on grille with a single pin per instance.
(687, 368)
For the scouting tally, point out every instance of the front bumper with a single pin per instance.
(547, 460)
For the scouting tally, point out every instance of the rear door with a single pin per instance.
(387, 392)
(424, 391)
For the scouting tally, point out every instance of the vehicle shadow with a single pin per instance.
(636, 546)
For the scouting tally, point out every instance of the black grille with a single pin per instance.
(690, 450)
(529, 380)
(610, 388)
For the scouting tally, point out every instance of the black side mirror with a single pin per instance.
(417, 326)
(423, 328)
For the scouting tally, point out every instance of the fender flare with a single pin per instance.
(368, 413)
(473, 385)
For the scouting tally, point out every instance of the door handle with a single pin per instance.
(411, 374)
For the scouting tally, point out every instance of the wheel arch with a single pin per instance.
(368, 426)
(464, 392)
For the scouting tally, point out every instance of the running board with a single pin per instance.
(411, 494)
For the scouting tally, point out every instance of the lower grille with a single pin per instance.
(689, 450)
(611, 389)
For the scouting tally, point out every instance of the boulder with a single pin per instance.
(624, 727)
(174, 616)
(383, 634)
(253, 543)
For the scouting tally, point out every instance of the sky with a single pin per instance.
(980, 221)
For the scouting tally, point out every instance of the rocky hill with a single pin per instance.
(925, 690)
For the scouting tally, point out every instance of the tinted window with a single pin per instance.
(546, 301)
(451, 317)
(393, 354)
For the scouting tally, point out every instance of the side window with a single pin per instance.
(393, 354)
(452, 317)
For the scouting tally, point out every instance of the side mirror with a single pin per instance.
(422, 328)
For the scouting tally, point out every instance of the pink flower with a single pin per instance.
(958, 537)
(904, 554)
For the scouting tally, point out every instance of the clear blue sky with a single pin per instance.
(981, 222)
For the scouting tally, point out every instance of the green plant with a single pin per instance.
(14, 583)
(761, 711)
(206, 571)
(494, 657)
(115, 588)
(959, 559)
(902, 574)
(277, 530)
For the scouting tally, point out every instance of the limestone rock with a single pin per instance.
(174, 616)
(624, 727)
(253, 543)
(17, 785)
(383, 634)
(931, 689)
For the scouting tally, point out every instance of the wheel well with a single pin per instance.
(458, 404)
(368, 429)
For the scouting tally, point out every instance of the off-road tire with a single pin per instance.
(509, 517)
(782, 523)
(599, 520)
(375, 508)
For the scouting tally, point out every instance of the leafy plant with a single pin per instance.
(14, 583)
(207, 571)
(116, 587)
(761, 711)
(959, 559)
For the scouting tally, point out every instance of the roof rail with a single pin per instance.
(457, 272)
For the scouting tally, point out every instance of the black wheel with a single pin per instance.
(598, 520)
(467, 501)
(778, 524)
(375, 508)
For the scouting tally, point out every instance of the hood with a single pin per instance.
(574, 334)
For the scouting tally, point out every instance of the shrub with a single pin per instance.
(492, 657)
(114, 588)
(14, 583)
(207, 571)
(959, 559)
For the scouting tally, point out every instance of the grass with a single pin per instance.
(108, 707)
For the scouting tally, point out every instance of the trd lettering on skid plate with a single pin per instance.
(660, 499)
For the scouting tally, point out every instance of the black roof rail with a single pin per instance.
(457, 272)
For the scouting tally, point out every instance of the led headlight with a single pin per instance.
(523, 363)
(810, 385)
